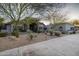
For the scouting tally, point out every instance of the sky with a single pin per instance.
(72, 10)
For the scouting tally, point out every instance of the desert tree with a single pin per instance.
(1, 22)
(75, 22)
(16, 12)
(53, 12)
(19, 11)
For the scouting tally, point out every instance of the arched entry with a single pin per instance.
(33, 27)
(60, 28)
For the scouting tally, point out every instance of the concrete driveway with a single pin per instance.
(62, 46)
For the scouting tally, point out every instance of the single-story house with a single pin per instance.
(49, 27)
(7, 27)
(62, 27)
(41, 27)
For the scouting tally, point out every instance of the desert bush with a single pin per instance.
(3, 34)
(15, 33)
(45, 33)
(40, 31)
(29, 31)
(51, 32)
(57, 33)
(30, 35)
(74, 32)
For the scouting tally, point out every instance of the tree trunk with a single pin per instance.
(28, 27)
(0, 28)
(54, 21)
(16, 30)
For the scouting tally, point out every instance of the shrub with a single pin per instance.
(57, 33)
(74, 32)
(51, 32)
(29, 31)
(15, 33)
(45, 33)
(38, 31)
(30, 36)
(3, 34)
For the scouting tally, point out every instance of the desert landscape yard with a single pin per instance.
(51, 27)
(61, 46)
(9, 42)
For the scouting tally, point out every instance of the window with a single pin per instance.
(60, 28)
(72, 28)
(4, 27)
(40, 27)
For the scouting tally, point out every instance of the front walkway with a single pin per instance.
(62, 46)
